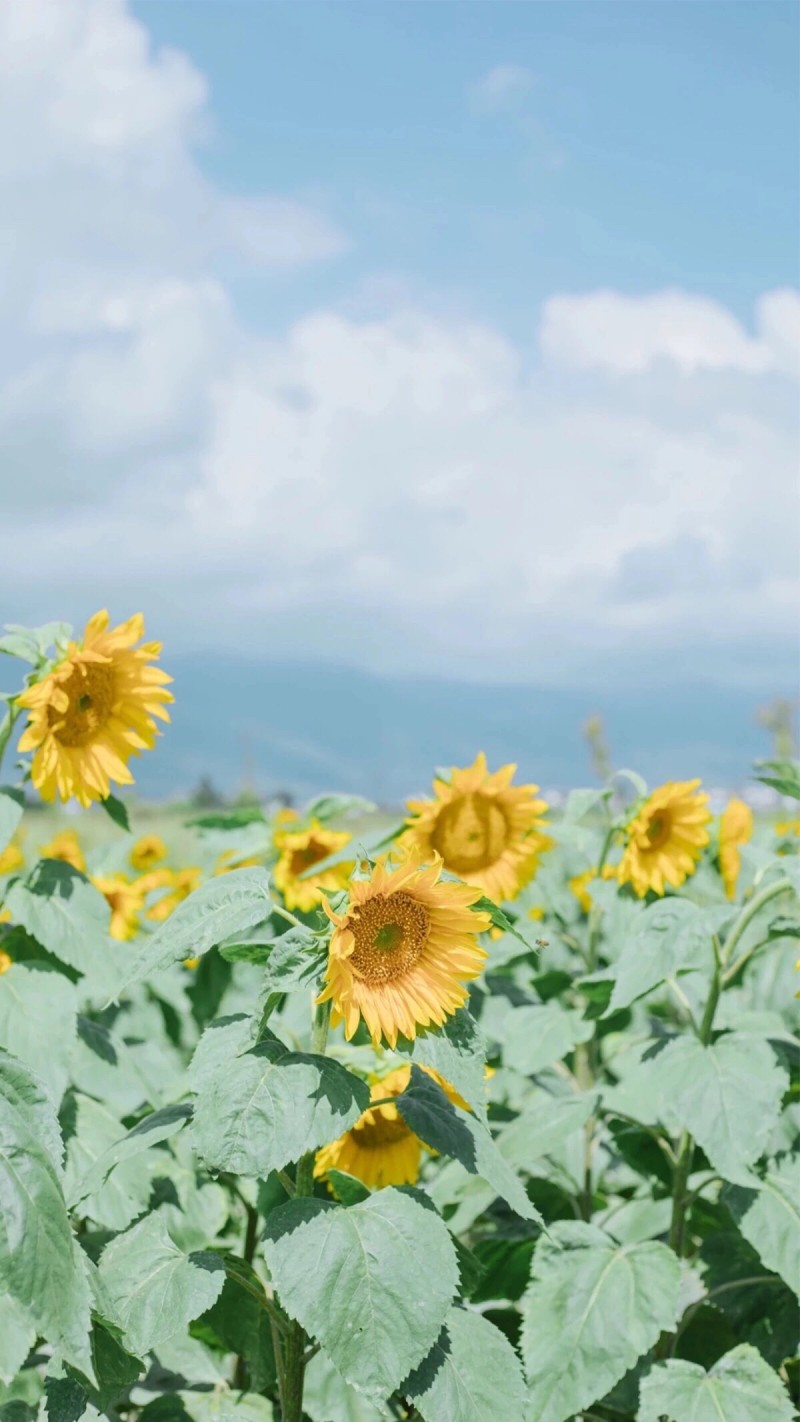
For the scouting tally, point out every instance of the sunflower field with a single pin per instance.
(487, 1115)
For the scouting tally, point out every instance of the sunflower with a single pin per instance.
(380, 1149)
(227, 862)
(665, 838)
(5, 962)
(735, 829)
(580, 888)
(66, 847)
(487, 832)
(147, 852)
(93, 711)
(126, 901)
(11, 858)
(401, 953)
(179, 883)
(299, 851)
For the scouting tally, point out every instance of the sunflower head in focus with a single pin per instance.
(93, 710)
(735, 829)
(665, 838)
(66, 847)
(178, 883)
(147, 852)
(486, 831)
(403, 951)
(380, 1149)
(11, 858)
(298, 851)
(126, 901)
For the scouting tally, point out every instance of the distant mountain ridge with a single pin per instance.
(310, 726)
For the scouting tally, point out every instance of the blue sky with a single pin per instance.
(637, 146)
(454, 339)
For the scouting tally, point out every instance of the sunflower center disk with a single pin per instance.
(305, 858)
(380, 1131)
(471, 832)
(390, 936)
(658, 831)
(90, 690)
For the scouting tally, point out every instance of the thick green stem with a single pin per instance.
(7, 727)
(780, 886)
(294, 1355)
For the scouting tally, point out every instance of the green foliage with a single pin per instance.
(155, 1288)
(371, 1283)
(739, 1388)
(470, 1374)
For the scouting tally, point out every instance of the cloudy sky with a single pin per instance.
(448, 337)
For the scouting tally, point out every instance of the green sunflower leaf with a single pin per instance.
(156, 1288)
(451, 1131)
(471, 1373)
(269, 1106)
(769, 1218)
(741, 1387)
(592, 1309)
(371, 1283)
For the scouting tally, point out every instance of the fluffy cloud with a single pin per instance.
(400, 488)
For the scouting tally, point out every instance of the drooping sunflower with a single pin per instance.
(179, 884)
(487, 831)
(93, 711)
(66, 847)
(665, 838)
(299, 850)
(735, 829)
(147, 852)
(11, 858)
(126, 901)
(402, 951)
(381, 1149)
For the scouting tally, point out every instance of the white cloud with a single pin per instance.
(501, 86)
(402, 490)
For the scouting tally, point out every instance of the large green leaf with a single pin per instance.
(156, 1127)
(471, 1373)
(544, 1125)
(592, 1309)
(269, 1106)
(543, 1033)
(38, 1010)
(114, 1203)
(225, 905)
(25, 1094)
(17, 1336)
(69, 917)
(11, 807)
(458, 1053)
(741, 1387)
(728, 1095)
(769, 1217)
(40, 1262)
(156, 1288)
(451, 1131)
(372, 1282)
(223, 1039)
(671, 936)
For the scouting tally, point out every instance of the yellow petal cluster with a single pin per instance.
(486, 831)
(298, 851)
(125, 898)
(665, 838)
(93, 711)
(66, 847)
(735, 829)
(147, 852)
(403, 950)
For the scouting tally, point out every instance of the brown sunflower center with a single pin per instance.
(378, 1130)
(390, 935)
(658, 830)
(311, 853)
(471, 832)
(90, 692)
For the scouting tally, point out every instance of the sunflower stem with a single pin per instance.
(7, 727)
(294, 1353)
(780, 886)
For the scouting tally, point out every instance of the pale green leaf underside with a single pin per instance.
(741, 1387)
(769, 1218)
(592, 1308)
(371, 1283)
(156, 1288)
(471, 1374)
